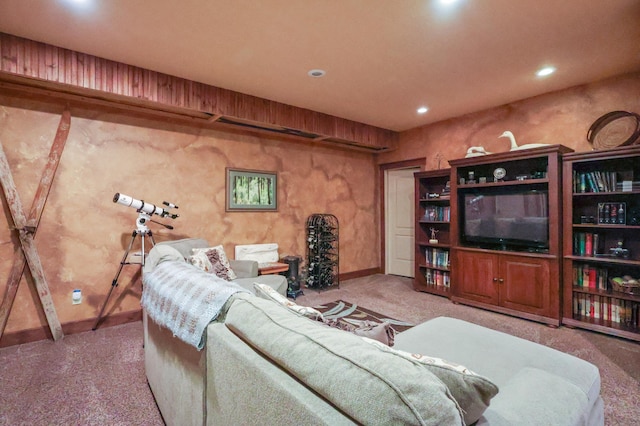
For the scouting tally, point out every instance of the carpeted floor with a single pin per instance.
(97, 378)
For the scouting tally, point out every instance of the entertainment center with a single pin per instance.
(544, 234)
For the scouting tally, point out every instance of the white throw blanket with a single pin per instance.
(185, 299)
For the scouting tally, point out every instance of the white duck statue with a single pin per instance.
(514, 145)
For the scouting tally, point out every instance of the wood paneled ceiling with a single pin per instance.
(383, 59)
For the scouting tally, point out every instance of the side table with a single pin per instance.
(272, 268)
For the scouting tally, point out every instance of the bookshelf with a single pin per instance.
(433, 215)
(601, 248)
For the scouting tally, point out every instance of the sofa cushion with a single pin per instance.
(266, 292)
(537, 397)
(472, 391)
(500, 357)
(159, 254)
(494, 354)
(369, 385)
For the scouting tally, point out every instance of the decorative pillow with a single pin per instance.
(213, 260)
(472, 391)
(266, 292)
(201, 261)
(382, 332)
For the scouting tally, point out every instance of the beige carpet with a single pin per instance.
(97, 377)
(617, 359)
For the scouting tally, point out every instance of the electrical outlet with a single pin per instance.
(76, 297)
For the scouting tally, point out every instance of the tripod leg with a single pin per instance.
(114, 283)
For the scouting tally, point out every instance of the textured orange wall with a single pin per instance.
(83, 234)
(562, 117)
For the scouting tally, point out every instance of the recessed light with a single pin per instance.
(317, 73)
(543, 72)
(422, 110)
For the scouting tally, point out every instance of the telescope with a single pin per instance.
(142, 207)
(145, 210)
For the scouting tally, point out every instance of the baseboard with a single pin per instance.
(42, 333)
(359, 274)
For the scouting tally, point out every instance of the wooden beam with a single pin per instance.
(114, 82)
(27, 229)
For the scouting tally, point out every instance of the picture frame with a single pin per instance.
(251, 190)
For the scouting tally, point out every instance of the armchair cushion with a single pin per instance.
(244, 268)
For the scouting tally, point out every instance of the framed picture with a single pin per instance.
(251, 190)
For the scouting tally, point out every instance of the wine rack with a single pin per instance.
(322, 251)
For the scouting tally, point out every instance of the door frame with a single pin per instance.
(382, 169)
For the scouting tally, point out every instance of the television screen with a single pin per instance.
(510, 219)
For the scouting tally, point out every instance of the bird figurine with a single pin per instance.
(476, 151)
(514, 145)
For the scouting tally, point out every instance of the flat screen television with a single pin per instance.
(513, 220)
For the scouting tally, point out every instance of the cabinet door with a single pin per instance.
(478, 276)
(526, 286)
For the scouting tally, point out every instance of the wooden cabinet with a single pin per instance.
(601, 247)
(477, 280)
(505, 232)
(508, 283)
(432, 236)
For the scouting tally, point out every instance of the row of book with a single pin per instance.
(438, 278)
(437, 257)
(606, 308)
(588, 276)
(587, 244)
(600, 181)
(437, 214)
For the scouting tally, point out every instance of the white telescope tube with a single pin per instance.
(143, 207)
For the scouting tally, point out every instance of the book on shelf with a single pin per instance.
(587, 244)
(589, 276)
(437, 257)
(437, 214)
(619, 311)
(603, 181)
(437, 278)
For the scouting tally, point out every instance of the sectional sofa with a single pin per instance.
(265, 363)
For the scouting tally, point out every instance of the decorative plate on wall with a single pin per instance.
(616, 128)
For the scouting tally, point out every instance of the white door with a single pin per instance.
(399, 221)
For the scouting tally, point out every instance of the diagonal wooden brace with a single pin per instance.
(27, 228)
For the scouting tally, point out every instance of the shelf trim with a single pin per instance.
(603, 260)
(434, 267)
(606, 293)
(504, 183)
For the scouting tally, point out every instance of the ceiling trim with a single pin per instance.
(42, 66)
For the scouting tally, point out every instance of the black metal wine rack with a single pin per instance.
(322, 251)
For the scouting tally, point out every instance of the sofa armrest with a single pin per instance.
(244, 268)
